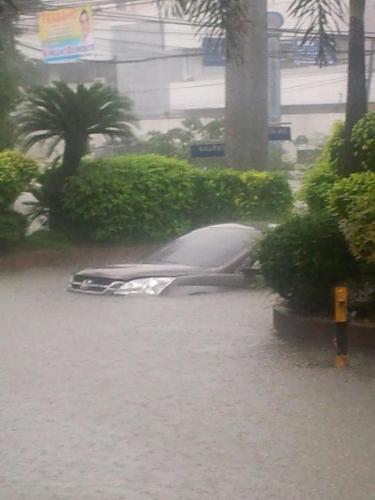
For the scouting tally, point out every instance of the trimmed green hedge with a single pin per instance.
(363, 140)
(264, 193)
(304, 258)
(317, 185)
(352, 201)
(16, 172)
(215, 194)
(152, 196)
(333, 150)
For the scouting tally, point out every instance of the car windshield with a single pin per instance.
(208, 247)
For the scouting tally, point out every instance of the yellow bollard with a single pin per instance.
(341, 317)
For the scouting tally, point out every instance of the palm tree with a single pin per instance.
(243, 22)
(320, 14)
(244, 25)
(57, 114)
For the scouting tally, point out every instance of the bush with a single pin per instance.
(333, 149)
(129, 197)
(16, 172)
(264, 194)
(304, 258)
(363, 140)
(12, 229)
(352, 201)
(215, 193)
(317, 185)
(152, 196)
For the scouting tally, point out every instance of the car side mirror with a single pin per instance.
(251, 269)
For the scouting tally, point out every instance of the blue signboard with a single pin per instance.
(217, 149)
(279, 133)
(207, 150)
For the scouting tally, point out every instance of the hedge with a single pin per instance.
(304, 258)
(352, 201)
(152, 196)
(264, 194)
(16, 172)
(363, 141)
(316, 186)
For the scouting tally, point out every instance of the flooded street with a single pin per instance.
(188, 398)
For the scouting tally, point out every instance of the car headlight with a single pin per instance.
(144, 286)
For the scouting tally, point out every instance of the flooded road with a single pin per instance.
(188, 398)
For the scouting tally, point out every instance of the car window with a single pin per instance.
(208, 247)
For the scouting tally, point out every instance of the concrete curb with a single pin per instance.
(286, 322)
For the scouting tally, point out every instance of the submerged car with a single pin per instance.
(207, 259)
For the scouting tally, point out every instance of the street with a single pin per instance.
(185, 398)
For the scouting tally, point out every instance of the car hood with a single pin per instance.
(133, 271)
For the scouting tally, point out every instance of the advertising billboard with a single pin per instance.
(66, 35)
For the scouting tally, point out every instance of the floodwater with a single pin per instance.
(188, 398)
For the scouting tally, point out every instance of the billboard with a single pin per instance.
(66, 34)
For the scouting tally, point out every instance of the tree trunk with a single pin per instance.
(246, 127)
(356, 105)
(73, 152)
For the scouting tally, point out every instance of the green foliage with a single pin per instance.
(16, 172)
(58, 113)
(16, 71)
(304, 258)
(352, 201)
(264, 193)
(363, 141)
(333, 149)
(215, 195)
(176, 141)
(12, 229)
(8, 99)
(129, 197)
(151, 196)
(316, 186)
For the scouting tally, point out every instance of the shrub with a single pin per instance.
(363, 140)
(333, 149)
(215, 193)
(129, 197)
(304, 258)
(16, 172)
(12, 229)
(264, 193)
(152, 196)
(352, 201)
(317, 185)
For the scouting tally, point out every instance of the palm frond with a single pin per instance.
(316, 21)
(57, 113)
(218, 18)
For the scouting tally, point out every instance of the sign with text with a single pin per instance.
(207, 150)
(279, 133)
(66, 35)
(217, 149)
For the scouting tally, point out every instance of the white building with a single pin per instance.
(159, 63)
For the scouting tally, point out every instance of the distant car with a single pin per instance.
(204, 260)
